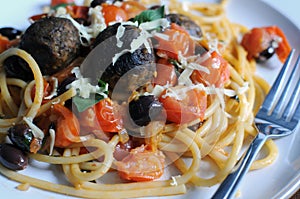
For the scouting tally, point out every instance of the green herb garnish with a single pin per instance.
(150, 15)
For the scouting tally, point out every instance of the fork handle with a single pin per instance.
(229, 186)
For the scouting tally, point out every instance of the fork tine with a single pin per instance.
(292, 101)
(271, 98)
(293, 109)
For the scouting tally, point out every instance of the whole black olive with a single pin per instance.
(12, 158)
(10, 33)
(95, 3)
(267, 53)
(21, 135)
(145, 109)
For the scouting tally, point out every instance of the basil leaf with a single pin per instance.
(84, 103)
(150, 15)
(62, 5)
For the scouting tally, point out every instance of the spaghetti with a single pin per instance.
(226, 126)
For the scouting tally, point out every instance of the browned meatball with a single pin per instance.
(130, 71)
(53, 42)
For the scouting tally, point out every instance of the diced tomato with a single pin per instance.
(4, 43)
(101, 117)
(259, 39)
(47, 91)
(284, 47)
(37, 17)
(141, 165)
(218, 71)
(109, 120)
(57, 2)
(78, 12)
(178, 41)
(112, 13)
(122, 150)
(88, 120)
(132, 8)
(165, 73)
(182, 105)
(67, 126)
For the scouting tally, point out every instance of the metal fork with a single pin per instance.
(274, 120)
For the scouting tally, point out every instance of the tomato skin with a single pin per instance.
(284, 47)
(4, 43)
(183, 111)
(113, 13)
(57, 2)
(179, 41)
(141, 165)
(132, 8)
(47, 90)
(259, 39)
(67, 126)
(217, 76)
(101, 117)
(165, 73)
(76, 12)
(108, 119)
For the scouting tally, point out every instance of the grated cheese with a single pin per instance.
(174, 181)
(135, 44)
(97, 21)
(151, 25)
(120, 33)
(54, 91)
(36, 131)
(189, 65)
(85, 37)
(52, 140)
(83, 86)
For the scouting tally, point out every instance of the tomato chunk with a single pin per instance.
(218, 71)
(165, 73)
(178, 41)
(112, 13)
(67, 126)
(141, 165)
(4, 43)
(101, 117)
(132, 8)
(78, 12)
(182, 105)
(259, 39)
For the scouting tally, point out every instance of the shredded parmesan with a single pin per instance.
(36, 131)
(54, 91)
(52, 140)
(83, 86)
(120, 33)
(151, 25)
(97, 21)
(135, 44)
(85, 38)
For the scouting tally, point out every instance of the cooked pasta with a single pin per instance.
(219, 136)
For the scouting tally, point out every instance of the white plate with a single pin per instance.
(279, 180)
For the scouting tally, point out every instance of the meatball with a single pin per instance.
(130, 69)
(53, 42)
(188, 24)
